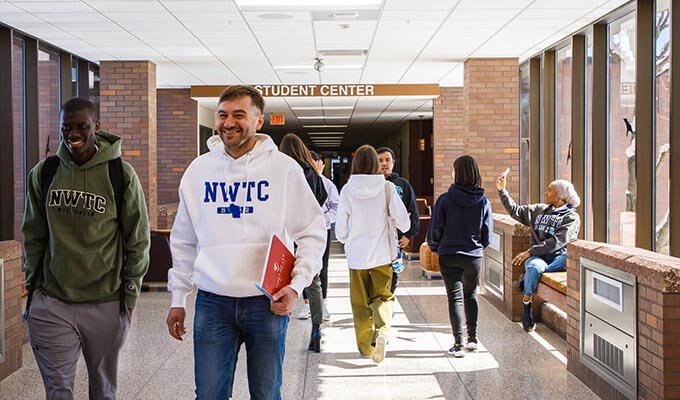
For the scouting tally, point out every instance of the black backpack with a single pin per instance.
(49, 169)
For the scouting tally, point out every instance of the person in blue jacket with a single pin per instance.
(458, 233)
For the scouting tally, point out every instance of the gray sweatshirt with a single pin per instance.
(551, 228)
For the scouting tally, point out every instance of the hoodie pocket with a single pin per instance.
(83, 277)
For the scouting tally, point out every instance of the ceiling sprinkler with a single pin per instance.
(318, 65)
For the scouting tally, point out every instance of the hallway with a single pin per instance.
(510, 363)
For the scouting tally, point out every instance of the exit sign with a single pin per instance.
(277, 119)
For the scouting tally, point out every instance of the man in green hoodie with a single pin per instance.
(84, 259)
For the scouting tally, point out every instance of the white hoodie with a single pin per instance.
(361, 222)
(227, 212)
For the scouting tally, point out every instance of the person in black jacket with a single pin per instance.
(459, 232)
(408, 197)
(293, 146)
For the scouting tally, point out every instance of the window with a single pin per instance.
(93, 84)
(563, 64)
(662, 139)
(586, 199)
(49, 99)
(18, 109)
(524, 164)
(74, 77)
(621, 133)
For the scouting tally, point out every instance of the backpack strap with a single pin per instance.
(118, 183)
(47, 172)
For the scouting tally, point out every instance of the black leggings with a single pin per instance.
(461, 277)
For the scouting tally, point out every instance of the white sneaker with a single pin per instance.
(306, 312)
(456, 350)
(326, 314)
(471, 345)
(379, 352)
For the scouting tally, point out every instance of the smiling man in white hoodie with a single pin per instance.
(231, 200)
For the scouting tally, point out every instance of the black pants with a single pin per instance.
(461, 277)
(324, 270)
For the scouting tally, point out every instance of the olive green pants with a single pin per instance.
(372, 303)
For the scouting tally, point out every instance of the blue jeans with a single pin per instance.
(535, 266)
(221, 325)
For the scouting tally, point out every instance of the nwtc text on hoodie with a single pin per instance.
(230, 192)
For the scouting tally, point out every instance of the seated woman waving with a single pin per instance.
(553, 224)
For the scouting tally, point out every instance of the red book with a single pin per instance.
(277, 268)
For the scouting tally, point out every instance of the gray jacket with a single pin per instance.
(551, 228)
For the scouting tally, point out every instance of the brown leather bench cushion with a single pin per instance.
(556, 280)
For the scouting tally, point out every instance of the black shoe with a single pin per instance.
(528, 317)
(315, 342)
(518, 285)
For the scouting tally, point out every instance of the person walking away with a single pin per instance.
(86, 241)
(367, 201)
(459, 233)
(292, 146)
(330, 209)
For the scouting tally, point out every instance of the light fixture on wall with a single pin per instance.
(318, 65)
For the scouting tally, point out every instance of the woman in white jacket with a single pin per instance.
(362, 225)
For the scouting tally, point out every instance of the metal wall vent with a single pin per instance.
(608, 354)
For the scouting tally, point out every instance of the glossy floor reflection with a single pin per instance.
(510, 364)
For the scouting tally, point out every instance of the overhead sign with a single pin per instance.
(329, 90)
(277, 119)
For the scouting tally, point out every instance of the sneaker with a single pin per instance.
(379, 352)
(326, 314)
(305, 313)
(456, 351)
(471, 344)
(518, 285)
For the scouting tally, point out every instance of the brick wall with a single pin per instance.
(491, 98)
(128, 109)
(177, 122)
(480, 119)
(10, 252)
(448, 134)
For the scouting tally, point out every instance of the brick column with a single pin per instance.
(11, 254)
(128, 109)
(448, 135)
(491, 98)
(178, 120)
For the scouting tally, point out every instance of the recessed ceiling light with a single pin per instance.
(275, 16)
(325, 133)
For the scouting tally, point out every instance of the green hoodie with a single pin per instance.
(77, 231)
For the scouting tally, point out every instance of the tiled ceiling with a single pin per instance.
(220, 42)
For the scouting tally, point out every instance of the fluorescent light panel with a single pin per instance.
(325, 133)
(324, 108)
(315, 3)
(322, 117)
(323, 126)
(326, 66)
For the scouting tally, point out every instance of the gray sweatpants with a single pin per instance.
(59, 331)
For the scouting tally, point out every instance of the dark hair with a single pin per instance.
(381, 150)
(365, 161)
(77, 104)
(237, 91)
(315, 155)
(294, 147)
(467, 172)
